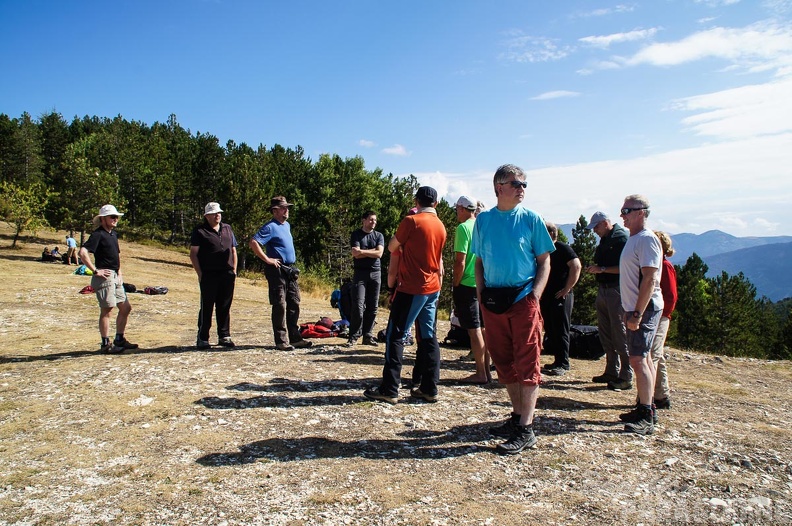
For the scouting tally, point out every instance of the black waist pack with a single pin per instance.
(500, 299)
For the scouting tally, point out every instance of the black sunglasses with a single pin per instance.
(516, 184)
(113, 217)
(625, 211)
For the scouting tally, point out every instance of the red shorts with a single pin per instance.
(514, 341)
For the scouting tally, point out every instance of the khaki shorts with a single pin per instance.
(109, 292)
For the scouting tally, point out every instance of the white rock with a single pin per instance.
(718, 502)
(764, 502)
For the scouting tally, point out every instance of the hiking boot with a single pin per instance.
(604, 378)
(634, 414)
(111, 348)
(351, 342)
(644, 425)
(368, 340)
(506, 429)
(226, 341)
(620, 385)
(284, 346)
(202, 344)
(523, 437)
(373, 393)
(417, 393)
(124, 344)
(663, 403)
(302, 344)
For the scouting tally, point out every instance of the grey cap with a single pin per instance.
(596, 219)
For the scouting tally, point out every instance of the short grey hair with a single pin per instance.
(640, 200)
(552, 229)
(505, 171)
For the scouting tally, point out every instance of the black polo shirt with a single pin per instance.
(609, 252)
(104, 246)
(214, 247)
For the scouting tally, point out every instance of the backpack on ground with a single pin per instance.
(584, 342)
(154, 291)
(315, 330)
(457, 337)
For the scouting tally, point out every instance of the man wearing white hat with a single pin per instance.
(213, 255)
(107, 280)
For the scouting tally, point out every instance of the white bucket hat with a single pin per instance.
(212, 208)
(106, 210)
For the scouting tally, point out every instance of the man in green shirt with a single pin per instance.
(466, 305)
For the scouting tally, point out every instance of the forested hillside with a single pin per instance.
(57, 173)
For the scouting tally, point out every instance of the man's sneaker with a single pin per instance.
(111, 348)
(417, 393)
(469, 357)
(557, 371)
(284, 347)
(620, 385)
(644, 425)
(350, 342)
(368, 340)
(124, 344)
(202, 344)
(373, 393)
(604, 378)
(523, 437)
(302, 344)
(506, 429)
(663, 403)
(227, 342)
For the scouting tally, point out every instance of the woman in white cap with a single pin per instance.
(107, 280)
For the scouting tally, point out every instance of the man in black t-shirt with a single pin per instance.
(107, 281)
(610, 315)
(557, 301)
(367, 248)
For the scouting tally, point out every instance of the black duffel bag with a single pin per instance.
(584, 342)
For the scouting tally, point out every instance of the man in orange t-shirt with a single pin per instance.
(421, 238)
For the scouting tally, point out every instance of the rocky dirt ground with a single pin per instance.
(171, 435)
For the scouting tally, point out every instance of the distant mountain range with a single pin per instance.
(765, 261)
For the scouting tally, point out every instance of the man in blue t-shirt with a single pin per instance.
(274, 245)
(512, 250)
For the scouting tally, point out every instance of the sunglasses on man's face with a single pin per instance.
(113, 217)
(516, 184)
(626, 211)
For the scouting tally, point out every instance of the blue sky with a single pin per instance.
(686, 101)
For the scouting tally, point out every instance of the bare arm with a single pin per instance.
(194, 260)
(572, 278)
(648, 283)
(459, 267)
(393, 245)
(234, 259)
(259, 252)
(542, 273)
(359, 253)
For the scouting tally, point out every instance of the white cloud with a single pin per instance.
(621, 8)
(548, 95)
(738, 186)
(366, 143)
(617, 38)
(757, 47)
(741, 112)
(522, 48)
(396, 149)
(717, 3)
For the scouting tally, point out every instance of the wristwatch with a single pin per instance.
(636, 314)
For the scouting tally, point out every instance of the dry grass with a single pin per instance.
(170, 435)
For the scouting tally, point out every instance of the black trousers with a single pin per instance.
(365, 297)
(557, 315)
(217, 293)
(284, 296)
